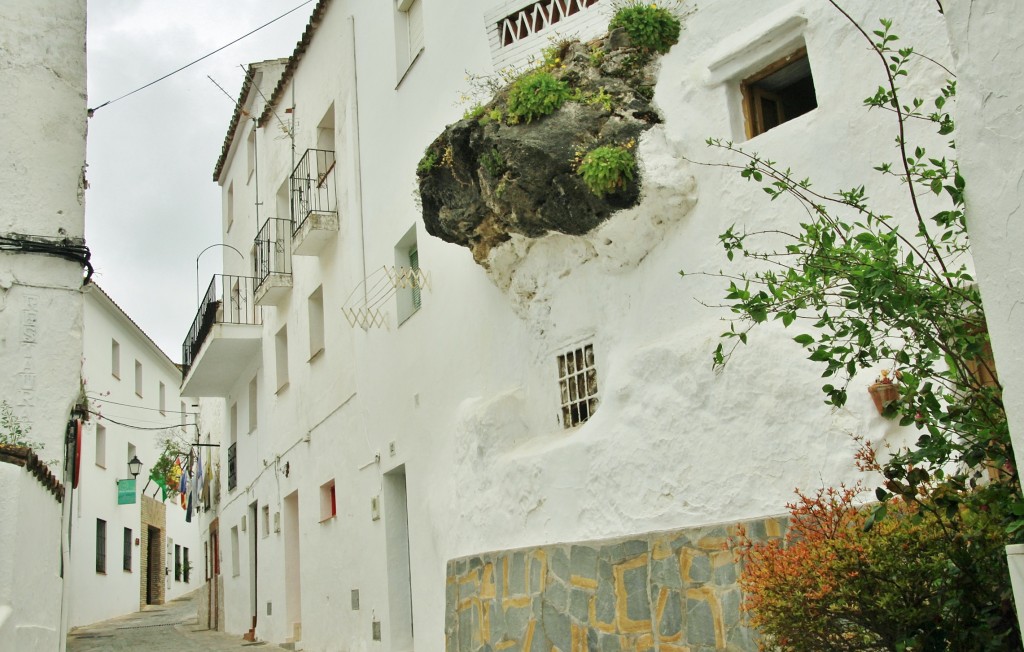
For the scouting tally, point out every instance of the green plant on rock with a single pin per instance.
(607, 168)
(428, 162)
(493, 163)
(650, 27)
(536, 94)
(474, 112)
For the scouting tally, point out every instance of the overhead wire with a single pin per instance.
(93, 110)
(133, 427)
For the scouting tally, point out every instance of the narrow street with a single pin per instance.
(171, 627)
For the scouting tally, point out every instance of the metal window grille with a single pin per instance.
(185, 565)
(127, 562)
(101, 546)
(538, 16)
(177, 563)
(414, 265)
(232, 467)
(577, 380)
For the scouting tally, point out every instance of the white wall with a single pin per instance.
(116, 402)
(42, 126)
(30, 591)
(465, 389)
(990, 121)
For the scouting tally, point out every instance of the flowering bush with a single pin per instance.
(912, 581)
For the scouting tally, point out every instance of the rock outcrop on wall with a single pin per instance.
(485, 179)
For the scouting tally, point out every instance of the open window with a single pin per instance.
(778, 93)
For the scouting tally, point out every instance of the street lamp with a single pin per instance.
(218, 244)
(135, 466)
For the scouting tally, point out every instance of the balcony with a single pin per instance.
(272, 260)
(314, 202)
(225, 338)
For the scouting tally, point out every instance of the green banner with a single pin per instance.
(126, 492)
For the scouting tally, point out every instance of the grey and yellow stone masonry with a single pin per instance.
(668, 591)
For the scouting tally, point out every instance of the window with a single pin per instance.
(131, 456)
(316, 322)
(253, 404)
(408, 34)
(163, 399)
(250, 153)
(127, 562)
(233, 422)
(325, 131)
(408, 276)
(185, 566)
(328, 501)
(101, 546)
(232, 466)
(776, 94)
(183, 413)
(234, 552)
(101, 446)
(266, 521)
(138, 378)
(281, 344)
(115, 359)
(229, 206)
(177, 563)
(577, 380)
(284, 210)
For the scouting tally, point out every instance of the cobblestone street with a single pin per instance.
(171, 627)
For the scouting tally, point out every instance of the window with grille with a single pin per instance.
(127, 562)
(101, 546)
(177, 563)
(577, 381)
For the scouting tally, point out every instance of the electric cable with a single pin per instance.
(72, 249)
(93, 111)
(128, 425)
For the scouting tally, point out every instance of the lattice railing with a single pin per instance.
(537, 17)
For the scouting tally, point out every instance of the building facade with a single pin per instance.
(129, 544)
(42, 257)
(420, 451)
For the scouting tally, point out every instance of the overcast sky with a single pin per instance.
(152, 204)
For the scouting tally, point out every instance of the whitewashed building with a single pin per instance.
(42, 127)
(129, 545)
(396, 467)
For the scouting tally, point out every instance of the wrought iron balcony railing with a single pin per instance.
(313, 186)
(229, 300)
(272, 250)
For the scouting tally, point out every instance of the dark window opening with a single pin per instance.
(779, 93)
(101, 546)
(127, 562)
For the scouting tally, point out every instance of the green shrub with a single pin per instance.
(606, 169)
(428, 162)
(536, 94)
(649, 26)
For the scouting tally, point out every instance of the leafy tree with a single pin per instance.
(871, 288)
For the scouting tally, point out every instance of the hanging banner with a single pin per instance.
(126, 492)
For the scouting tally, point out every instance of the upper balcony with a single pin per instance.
(226, 336)
(314, 202)
(272, 261)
